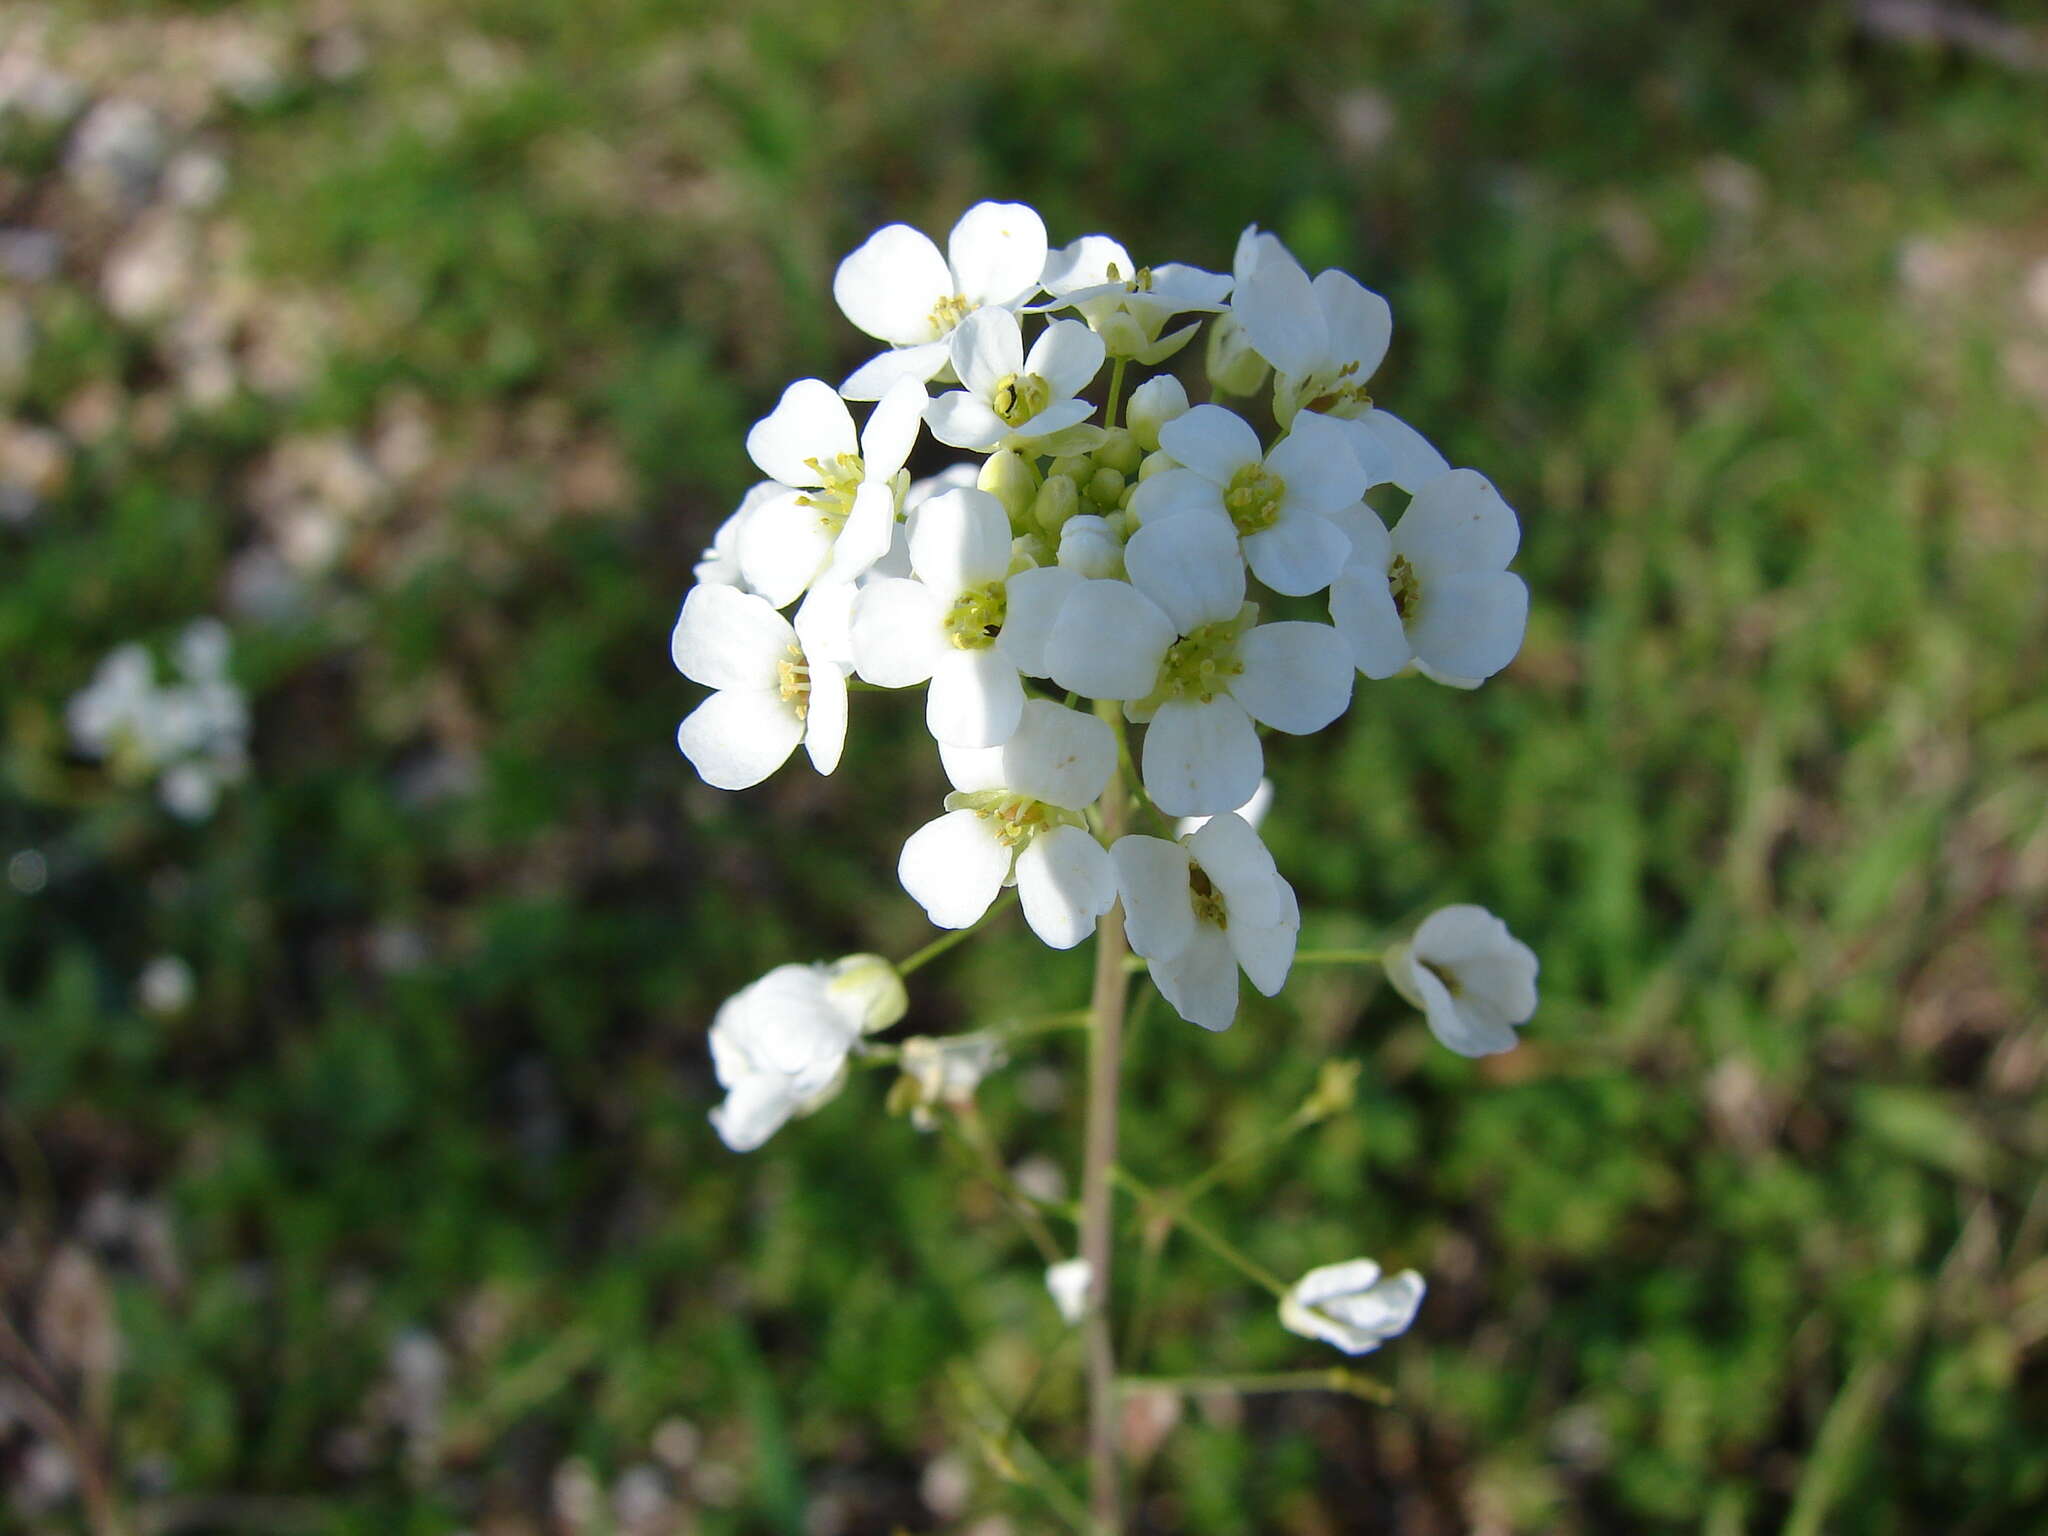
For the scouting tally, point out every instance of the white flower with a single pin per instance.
(165, 986)
(720, 566)
(1128, 305)
(1436, 591)
(1015, 818)
(772, 690)
(1152, 405)
(1252, 812)
(1090, 546)
(1011, 400)
(965, 623)
(193, 732)
(1473, 979)
(1393, 453)
(1278, 503)
(779, 1045)
(1351, 1306)
(1200, 908)
(899, 289)
(1069, 1282)
(835, 518)
(1233, 365)
(1324, 338)
(1180, 643)
(945, 1072)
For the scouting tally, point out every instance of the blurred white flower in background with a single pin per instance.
(1351, 1306)
(190, 735)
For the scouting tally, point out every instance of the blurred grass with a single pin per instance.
(1749, 1234)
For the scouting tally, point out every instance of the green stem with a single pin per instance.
(969, 1131)
(946, 941)
(1335, 1379)
(1203, 1233)
(1116, 391)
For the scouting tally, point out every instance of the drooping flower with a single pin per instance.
(1351, 1305)
(772, 689)
(1277, 503)
(1180, 644)
(965, 623)
(942, 1073)
(779, 1045)
(1010, 400)
(1014, 818)
(835, 518)
(1201, 908)
(1475, 981)
(1436, 591)
(1128, 305)
(898, 288)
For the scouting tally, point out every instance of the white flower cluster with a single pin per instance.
(1084, 560)
(191, 735)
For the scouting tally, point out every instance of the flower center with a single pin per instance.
(839, 481)
(1013, 819)
(793, 683)
(977, 615)
(1336, 395)
(1451, 983)
(1201, 665)
(1141, 283)
(1020, 396)
(1253, 498)
(1404, 584)
(949, 312)
(1206, 899)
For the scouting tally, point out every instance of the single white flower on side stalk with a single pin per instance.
(1436, 591)
(1351, 1305)
(1014, 818)
(1128, 305)
(1201, 908)
(899, 289)
(835, 518)
(771, 689)
(779, 1045)
(1068, 1283)
(942, 1073)
(1180, 644)
(1324, 338)
(965, 623)
(1233, 364)
(1473, 979)
(1279, 503)
(1011, 400)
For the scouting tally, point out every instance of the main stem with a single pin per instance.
(1105, 1065)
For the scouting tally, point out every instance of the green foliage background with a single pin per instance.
(1743, 307)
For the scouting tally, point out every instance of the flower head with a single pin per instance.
(1473, 979)
(899, 288)
(1351, 1306)
(1201, 908)
(1009, 399)
(772, 689)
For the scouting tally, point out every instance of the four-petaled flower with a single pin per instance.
(1351, 1305)
(1011, 400)
(1473, 979)
(1128, 305)
(773, 689)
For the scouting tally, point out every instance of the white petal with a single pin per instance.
(1362, 608)
(1317, 461)
(962, 540)
(1211, 441)
(1241, 869)
(1066, 355)
(1301, 553)
(1296, 678)
(810, 422)
(1280, 316)
(825, 722)
(1485, 956)
(824, 624)
(954, 868)
(1059, 755)
(1405, 456)
(963, 420)
(1201, 980)
(1331, 1280)
(1034, 599)
(1383, 1309)
(1108, 642)
(976, 698)
(1457, 522)
(726, 638)
(974, 768)
(1357, 322)
(1066, 881)
(997, 251)
(1085, 264)
(1371, 544)
(1267, 951)
(891, 431)
(755, 1108)
(784, 545)
(1191, 567)
(1470, 624)
(1152, 877)
(897, 638)
(1468, 1031)
(986, 347)
(865, 536)
(892, 283)
(874, 378)
(1172, 492)
(1201, 759)
(735, 739)
(1057, 417)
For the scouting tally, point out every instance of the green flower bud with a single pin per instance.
(1077, 467)
(869, 988)
(1058, 499)
(1105, 488)
(1007, 477)
(1234, 368)
(1155, 462)
(1153, 404)
(1121, 450)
